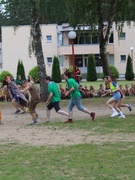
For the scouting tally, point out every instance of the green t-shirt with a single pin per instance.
(53, 88)
(72, 83)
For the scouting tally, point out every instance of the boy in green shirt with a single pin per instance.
(75, 97)
(53, 98)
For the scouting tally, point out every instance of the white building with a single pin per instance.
(0, 57)
(55, 41)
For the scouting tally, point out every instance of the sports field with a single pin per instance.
(82, 150)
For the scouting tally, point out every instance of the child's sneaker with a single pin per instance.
(69, 121)
(122, 116)
(93, 115)
(114, 114)
(34, 123)
(18, 111)
(129, 107)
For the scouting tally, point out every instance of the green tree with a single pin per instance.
(37, 47)
(99, 16)
(91, 69)
(34, 73)
(20, 70)
(4, 74)
(15, 12)
(113, 71)
(12, 10)
(56, 75)
(129, 75)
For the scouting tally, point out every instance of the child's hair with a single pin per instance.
(48, 78)
(113, 78)
(67, 73)
(106, 77)
(25, 81)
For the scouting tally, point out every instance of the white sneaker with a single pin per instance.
(122, 116)
(114, 114)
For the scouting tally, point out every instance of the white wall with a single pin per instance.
(122, 47)
(15, 46)
(0, 56)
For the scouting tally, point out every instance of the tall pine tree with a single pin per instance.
(129, 75)
(20, 70)
(56, 75)
(91, 69)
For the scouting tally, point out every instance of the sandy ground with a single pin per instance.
(16, 129)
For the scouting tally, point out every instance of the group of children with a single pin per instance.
(20, 101)
(72, 92)
(90, 92)
(27, 95)
(5, 96)
(24, 95)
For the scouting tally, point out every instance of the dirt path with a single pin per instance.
(16, 129)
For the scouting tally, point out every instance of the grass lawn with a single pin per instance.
(78, 162)
(106, 160)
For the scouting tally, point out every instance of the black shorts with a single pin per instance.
(54, 105)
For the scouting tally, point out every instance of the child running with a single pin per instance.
(113, 102)
(35, 98)
(107, 92)
(75, 97)
(53, 98)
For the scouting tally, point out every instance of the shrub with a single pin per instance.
(129, 75)
(91, 69)
(70, 69)
(20, 70)
(4, 74)
(113, 71)
(56, 75)
(34, 73)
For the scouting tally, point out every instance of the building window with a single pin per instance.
(111, 39)
(49, 38)
(123, 57)
(60, 39)
(61, 61)
(85, 61)
(79, 60)
(95, 39)
(49, 60)
(98, 60)
(122, 35)
(86, 38)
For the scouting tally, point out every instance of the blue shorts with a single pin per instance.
(117, 95)
(16, 98)
(77, 102)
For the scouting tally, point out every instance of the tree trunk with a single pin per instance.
(104, 60)
(37, 45)
(103, 39)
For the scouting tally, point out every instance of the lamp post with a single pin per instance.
(132, 49)
(72, 36)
